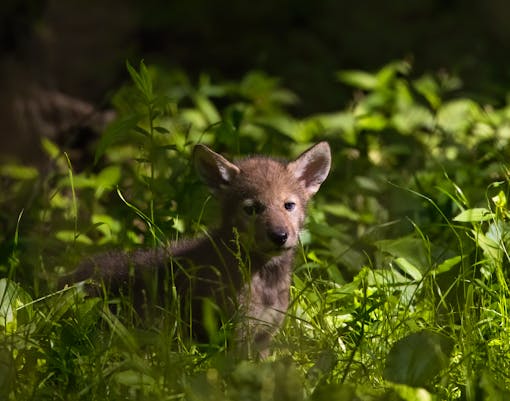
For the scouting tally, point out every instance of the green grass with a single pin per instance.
(400, 289)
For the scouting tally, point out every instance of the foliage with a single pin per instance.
(401, 289)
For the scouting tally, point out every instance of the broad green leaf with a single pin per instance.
(412, 118)
(416, 359)
(109, 177)
(15, 306)
(457, 115)
(499, 232)
(280, 123)
(8, 304)
(409, 269)
(491, 248)
(342, 122)
(474, 215)
(413, 250)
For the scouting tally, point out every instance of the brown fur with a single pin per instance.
(245, 265)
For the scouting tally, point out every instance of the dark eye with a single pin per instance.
(290, 206)
(252, 207)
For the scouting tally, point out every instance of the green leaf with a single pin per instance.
(457, 116)
(429, 89)
(133, 379)
(411, 118)
(409, 269)
(372, 122)
(118, 131)
(142, 131)
(161, 130)
(71, 236)
(448, 264)
(12, 299)
(141, 80)
(51, 149)
(119, 329)
(109, 176)
(341, 210)
(207, 108)
(358, 79)
(474, 215)
(18, 172)
(413, 250)
(416, 359)
(342, 122)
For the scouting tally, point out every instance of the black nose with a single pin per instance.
(279, 237)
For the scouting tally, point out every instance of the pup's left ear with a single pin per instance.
(216, 171)
(312, 167)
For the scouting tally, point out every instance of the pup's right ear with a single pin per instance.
(216, 171)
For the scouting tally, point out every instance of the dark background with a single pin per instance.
(61, 59)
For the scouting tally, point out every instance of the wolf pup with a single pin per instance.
(244, 266)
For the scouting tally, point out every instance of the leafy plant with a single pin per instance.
(401, 287)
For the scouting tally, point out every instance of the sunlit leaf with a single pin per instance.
(474, 215)
(109, 177)
(372, 122)
(71, 236)
(456, 116)
(412, 118)
(13, 298)
(429, 88)
(448, 264)
(18, 172)
(343, 123)
(358, 79)
(409, 269)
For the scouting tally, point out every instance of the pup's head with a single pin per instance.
(264, 199)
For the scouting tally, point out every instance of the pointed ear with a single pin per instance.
(312, 167)
(213, 169)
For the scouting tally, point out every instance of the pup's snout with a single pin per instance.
(278, 236)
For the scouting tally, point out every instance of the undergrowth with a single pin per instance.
(401, 287)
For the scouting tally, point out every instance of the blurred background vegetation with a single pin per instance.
(51, 48)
